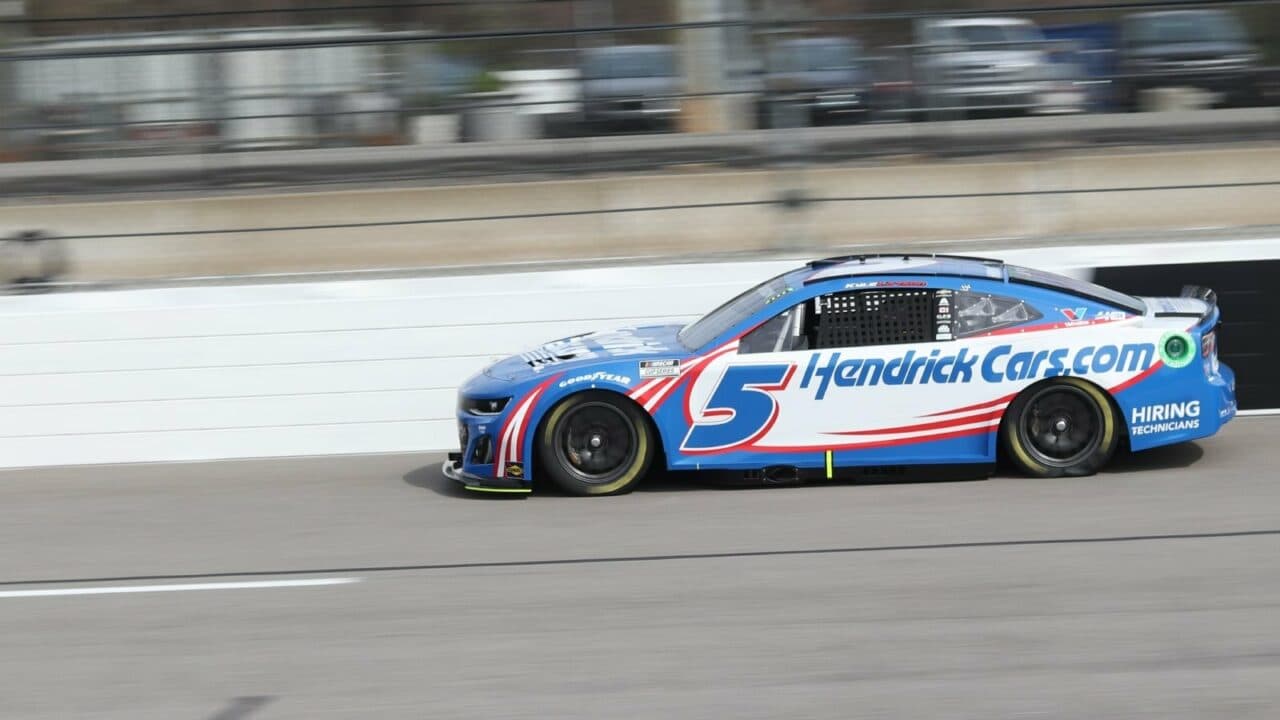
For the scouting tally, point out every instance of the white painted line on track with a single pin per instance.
(121, 589)
(1266, 411)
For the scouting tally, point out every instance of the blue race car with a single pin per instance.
(856, 362)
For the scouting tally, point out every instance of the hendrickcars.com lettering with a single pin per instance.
(1090, 358)
(1000, 364)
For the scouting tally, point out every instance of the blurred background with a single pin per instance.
(105, 78)
(103, 98)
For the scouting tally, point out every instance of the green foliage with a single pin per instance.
(486, 82)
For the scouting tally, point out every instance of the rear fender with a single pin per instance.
(1177, 398)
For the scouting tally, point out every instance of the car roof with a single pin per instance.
(623, 49)
(964, 22)
(962, 266)
(817, 40)
(1153, 14)
(906, 264)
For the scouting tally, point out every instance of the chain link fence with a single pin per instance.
(436, 74)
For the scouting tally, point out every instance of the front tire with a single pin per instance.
(596, 443)
(1062, 428)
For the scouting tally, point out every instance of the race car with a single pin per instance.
(850, 363)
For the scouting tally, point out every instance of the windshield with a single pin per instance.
(1053, 281)
(719, 321)
(1187, 27)
(978, 34)
(814, 57)
(630, 63)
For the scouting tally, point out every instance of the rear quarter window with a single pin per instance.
(1074, 286)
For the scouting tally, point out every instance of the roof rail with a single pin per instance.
(905, 256)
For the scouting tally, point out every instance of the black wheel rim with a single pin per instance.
(596, 442)
(1061, 425)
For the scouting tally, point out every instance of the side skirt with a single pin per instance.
(778, 475)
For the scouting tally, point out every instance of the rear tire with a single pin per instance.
(596, 443)
(1066, 427)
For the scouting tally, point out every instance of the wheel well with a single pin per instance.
(660, 454)
(1111, 400)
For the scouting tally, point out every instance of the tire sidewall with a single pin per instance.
(550, 462)
(1024, 460)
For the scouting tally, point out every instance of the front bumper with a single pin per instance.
(833, 101)
(637, 111)
(452, 469)
(987, 97)
(1225, 84)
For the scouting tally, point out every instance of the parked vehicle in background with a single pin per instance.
(1091, 47)
(74, 128)
(628, 87)
(153, 93)
(1204, 49)
(1064, 87)
(814, 81)
(980, 65)
(891, 92)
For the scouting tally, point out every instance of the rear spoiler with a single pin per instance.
(1197, 292)
(1209, 297)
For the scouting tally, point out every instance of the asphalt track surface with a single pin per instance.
(1150, 591)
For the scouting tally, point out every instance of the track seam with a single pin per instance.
(655, 558)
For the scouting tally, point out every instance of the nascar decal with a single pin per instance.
(511, 437)
(659, 368)
(843, 399)
(653, 393)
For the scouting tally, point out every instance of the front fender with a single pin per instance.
(522, 443)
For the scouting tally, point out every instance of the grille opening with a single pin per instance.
(884, 317)
(482, 453)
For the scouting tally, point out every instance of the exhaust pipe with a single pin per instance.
(781, 475)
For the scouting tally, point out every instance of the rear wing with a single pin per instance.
(1203, 294)
(1196, 302)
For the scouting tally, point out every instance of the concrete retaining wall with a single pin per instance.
(218, 372)
(601, 218)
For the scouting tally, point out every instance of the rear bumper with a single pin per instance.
(1225, 385)
(1216, 407)
(986, 97)
(1227, 84)
(833, 103)
(452, 469)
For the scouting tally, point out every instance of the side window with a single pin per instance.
(863, 318)
(778, 334)
(977, 313)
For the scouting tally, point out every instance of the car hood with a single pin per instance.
(813, 80)
(998, 58)
(579, 351)
(631, 87)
